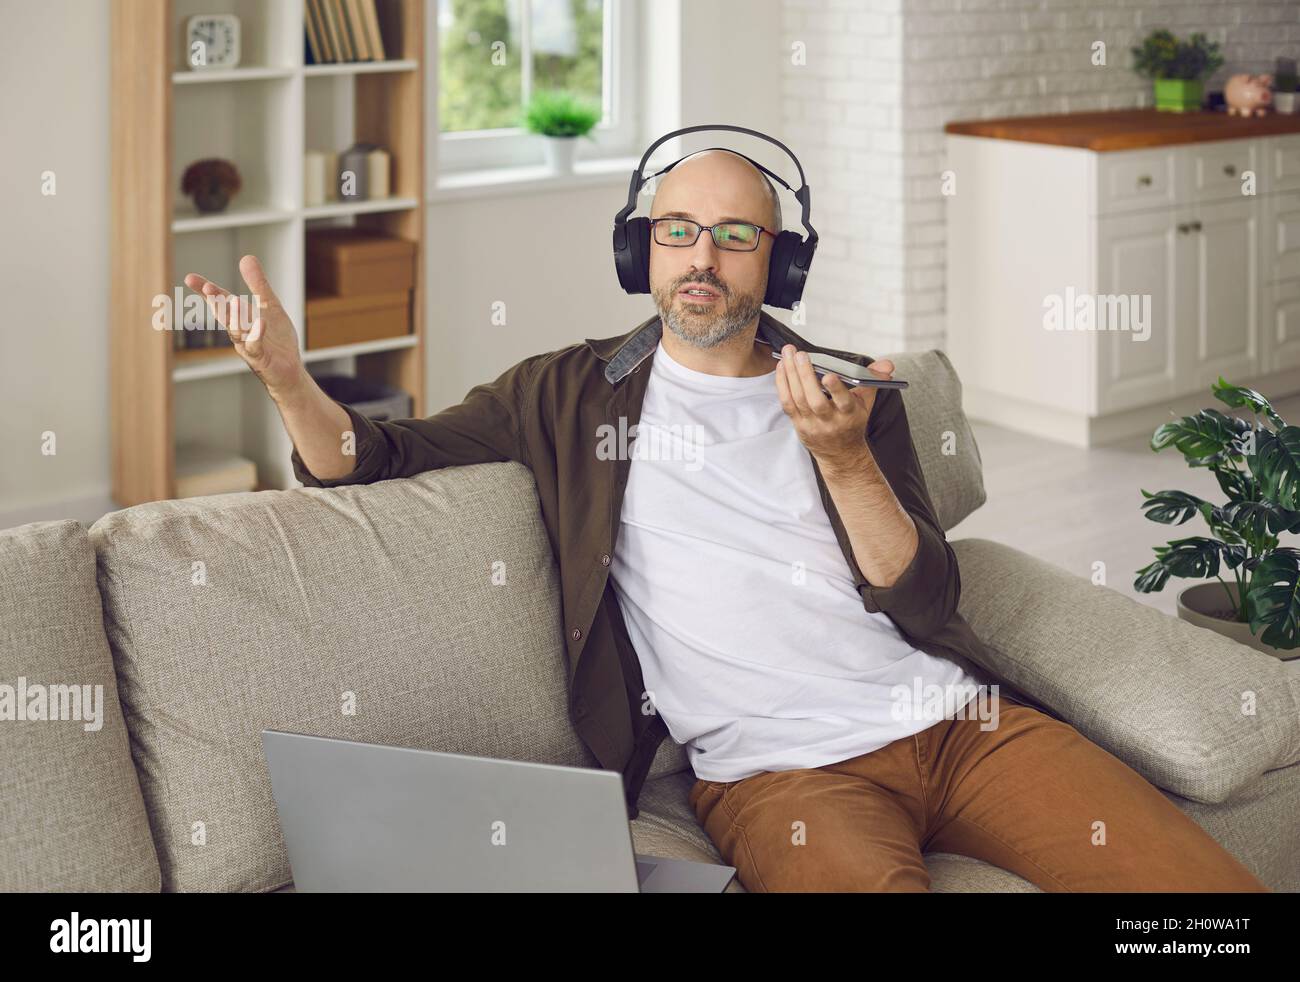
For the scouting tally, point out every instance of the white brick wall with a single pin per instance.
(866, 114)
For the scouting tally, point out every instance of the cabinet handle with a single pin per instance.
(1144, 181)
(1196, 226)
(1230, 170)
(1183, 228)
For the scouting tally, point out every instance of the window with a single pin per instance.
(493, 54)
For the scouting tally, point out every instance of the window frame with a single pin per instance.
(614, 136)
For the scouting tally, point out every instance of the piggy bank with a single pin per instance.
(1248, 94)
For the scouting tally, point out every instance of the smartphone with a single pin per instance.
(850, 372)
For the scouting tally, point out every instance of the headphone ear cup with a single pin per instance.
(784, 279)
(633, 261)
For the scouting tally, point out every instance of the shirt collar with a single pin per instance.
(625, 352)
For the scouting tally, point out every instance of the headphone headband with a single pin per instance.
(637, 182)
(791, 256)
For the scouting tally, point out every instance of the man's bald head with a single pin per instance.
(711, 187)
(718, 164)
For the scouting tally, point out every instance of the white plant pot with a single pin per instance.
(559, 153)
(1207, 605)
(1286, 102)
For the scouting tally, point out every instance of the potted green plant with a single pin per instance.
(1257, 465)
(211, 183)
(1284, 93)
(1178, 68)
(560, 117)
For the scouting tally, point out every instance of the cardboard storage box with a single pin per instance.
(335, 320)
(349, 262)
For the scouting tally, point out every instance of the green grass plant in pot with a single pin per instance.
(560, 117)
(1179, 68)
(1256, 463)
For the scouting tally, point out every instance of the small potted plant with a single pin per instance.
(211, 183)
(1258, 467)
(1284, 93)
(560, 117)
(1178, 68)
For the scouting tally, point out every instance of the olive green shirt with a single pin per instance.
(547, 412)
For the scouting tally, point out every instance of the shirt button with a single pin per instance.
(604, 559)
(577, 634)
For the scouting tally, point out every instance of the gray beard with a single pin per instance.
(702, 332)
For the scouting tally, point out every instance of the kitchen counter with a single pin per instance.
(1127, 129)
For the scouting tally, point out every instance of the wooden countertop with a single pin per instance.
(1127, 129)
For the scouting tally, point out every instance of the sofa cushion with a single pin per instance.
(945, 444)
(1193, 712)
(432, 603)
(71, 814)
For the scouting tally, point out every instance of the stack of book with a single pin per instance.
(342, 30)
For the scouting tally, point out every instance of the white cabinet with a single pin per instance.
(1139, 256)
(1173, 265)
(1220, 335)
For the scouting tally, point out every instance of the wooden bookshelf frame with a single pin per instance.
(388, 108)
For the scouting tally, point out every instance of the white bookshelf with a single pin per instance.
(263, 116)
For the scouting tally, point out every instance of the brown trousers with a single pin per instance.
(1032, 796)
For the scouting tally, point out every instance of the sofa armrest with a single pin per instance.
(1192, 711)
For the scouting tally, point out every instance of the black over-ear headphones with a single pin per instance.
(791, 255)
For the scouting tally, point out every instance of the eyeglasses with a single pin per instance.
(731, 236)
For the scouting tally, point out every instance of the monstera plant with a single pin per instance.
(1256, 462)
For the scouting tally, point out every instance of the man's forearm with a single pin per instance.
(881, 532)
(317, 425)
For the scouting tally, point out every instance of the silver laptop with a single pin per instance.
(365, 817)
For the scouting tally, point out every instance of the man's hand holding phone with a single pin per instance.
(829, 415)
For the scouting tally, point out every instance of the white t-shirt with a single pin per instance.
(753, 641)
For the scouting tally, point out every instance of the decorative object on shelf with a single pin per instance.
(1179, 68)
(359, 285)
(326, 175)
(211, 183)
(1284, 91)
(332, 175)
(379, 168)
(560, 117)
(350, 261)
(203, 469)
(212, 41)
(341, 31)
(334, 321)
(363, 172)
(370, 397)
(1263, 501)
(1248, 95)
(315, 178)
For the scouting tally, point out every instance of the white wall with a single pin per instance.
(54, 260)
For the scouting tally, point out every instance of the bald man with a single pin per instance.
(750, 563)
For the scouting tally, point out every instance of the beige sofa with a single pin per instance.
(207, 620)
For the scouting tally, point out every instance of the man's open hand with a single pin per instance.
(265, 338)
